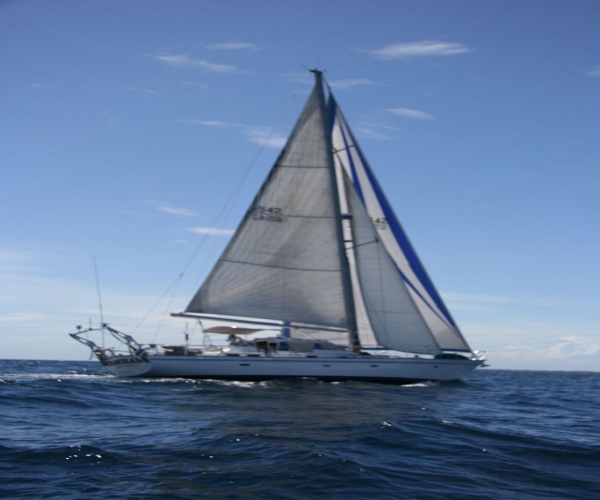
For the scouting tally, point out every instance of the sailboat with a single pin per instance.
(318, 281)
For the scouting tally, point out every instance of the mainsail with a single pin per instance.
(295, 258)
(283, 262)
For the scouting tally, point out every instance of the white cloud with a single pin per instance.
(211, 123)
(12, 256)
(478, 302)
(353, 82)
(571, 346)
(411, 113)
(145, 92)
(232, 46)
(594, 71)
(184, 61)
(212, 231)
(262, 136)
(170, 209)
(419, 49)
(524, 342)
(197, 85)
(372, 132)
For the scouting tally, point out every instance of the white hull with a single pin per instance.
(365, 368)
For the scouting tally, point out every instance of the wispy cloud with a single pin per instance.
(374, 131)
(410, 113)
(170, 209)
(212, 231)
(232, 46)
(594, 71)
(15, 261)
(60, 302)
(196, 85)
(353, 82)
(485, 302)
(144, 92)
(111, 119)
(185, 61)
(419, 49)
(571, 346)
(210, 123)
(263, 136)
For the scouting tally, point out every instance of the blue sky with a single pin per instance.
(126, 126)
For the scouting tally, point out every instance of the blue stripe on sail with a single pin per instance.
(403, 241)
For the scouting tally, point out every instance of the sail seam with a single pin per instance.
(281, 267)
(299, 166)
(308, 216)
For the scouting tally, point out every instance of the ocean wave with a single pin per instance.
(70, 431)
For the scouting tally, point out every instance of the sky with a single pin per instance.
(135, 135)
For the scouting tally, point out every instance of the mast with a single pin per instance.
(345, 265)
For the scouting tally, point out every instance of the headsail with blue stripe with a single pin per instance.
(394, 323)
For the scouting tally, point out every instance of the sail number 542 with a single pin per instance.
(271, 214)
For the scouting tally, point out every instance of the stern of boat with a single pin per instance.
(132, 362)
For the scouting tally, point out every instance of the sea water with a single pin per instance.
(70, 430)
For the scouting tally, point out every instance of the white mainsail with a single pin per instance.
(389, 231)
(283, 262)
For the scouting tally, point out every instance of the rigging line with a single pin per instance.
(98, 291)
(172, 285)
(166, 310)
(246, 172)
(99, 300)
